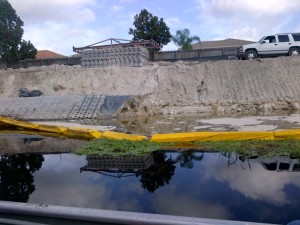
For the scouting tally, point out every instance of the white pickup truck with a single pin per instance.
(273, 45)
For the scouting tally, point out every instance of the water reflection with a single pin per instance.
(260, 178)
(154, 170)
(279, 164)
(210, 185)
(16, 173)
(186, 159)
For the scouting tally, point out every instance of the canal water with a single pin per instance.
(45, 170)
(208, 185)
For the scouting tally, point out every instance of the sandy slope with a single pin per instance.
(164, 87)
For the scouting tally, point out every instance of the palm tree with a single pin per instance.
(183, 39)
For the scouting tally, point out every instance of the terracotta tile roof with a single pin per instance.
(229, 42)
(46, 54)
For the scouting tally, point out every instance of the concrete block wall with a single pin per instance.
(135, 56)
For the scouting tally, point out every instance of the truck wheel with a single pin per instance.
(294, 51)
(251, 54)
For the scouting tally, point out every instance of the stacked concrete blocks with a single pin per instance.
(134, 56)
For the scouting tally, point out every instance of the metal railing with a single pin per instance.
(100, 216)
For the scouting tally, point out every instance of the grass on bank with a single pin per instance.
(105, 146)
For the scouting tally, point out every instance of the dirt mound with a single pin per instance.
(165, 87)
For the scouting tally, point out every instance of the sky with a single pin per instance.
(58, 25)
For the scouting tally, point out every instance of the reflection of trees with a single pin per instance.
(154, 169)
(186, 159)
(159, 174)
(163, 170)
(16, 171)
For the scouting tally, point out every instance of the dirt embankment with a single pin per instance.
(181, 87)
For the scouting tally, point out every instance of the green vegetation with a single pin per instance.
(184, 40)
(254, 147)
(26, 50)
(105, 146)
(149, 27)
(12, 47)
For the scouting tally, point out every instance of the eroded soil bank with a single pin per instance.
(173, 88)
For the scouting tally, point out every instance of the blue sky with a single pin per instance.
(58, 25)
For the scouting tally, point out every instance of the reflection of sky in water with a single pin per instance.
(210, 189)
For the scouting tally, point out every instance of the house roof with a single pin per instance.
(229, 42)
(46, 54)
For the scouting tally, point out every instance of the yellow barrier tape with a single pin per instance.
(7, 122)
(161, 138)
(88, 133)
(287, 134)
(65, 131)
(212, 136)
(121, 136)
(52, 129)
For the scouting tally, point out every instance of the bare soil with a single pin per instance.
(228, 86)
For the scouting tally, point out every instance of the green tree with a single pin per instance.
(184, 40)
(11, 33)
(26, 50)
(149, 27)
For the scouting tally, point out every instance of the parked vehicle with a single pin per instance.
(273, 45)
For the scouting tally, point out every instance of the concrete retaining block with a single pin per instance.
(135, 56)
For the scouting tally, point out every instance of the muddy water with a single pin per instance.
(174, 124)
(180, 123)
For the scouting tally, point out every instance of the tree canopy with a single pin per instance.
(149, 27)
(11, 33)
(184, 40)
(26, 50)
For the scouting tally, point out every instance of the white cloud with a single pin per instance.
(248, 19)
(172, 21)
(35, 11)
(254, 7)
(60, 37)
(86, 15)
(170, 47)
(116, 8)
(58, 25)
